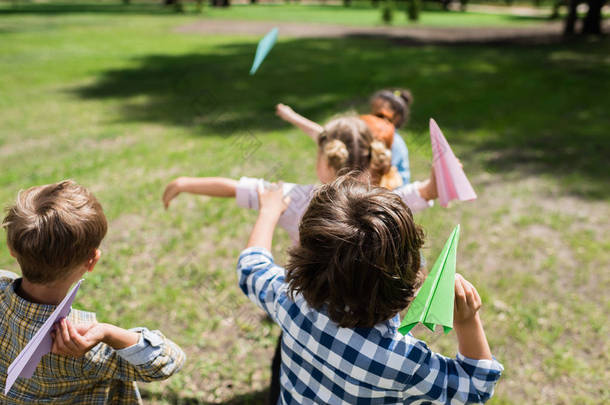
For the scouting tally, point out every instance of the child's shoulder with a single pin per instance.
(6, 279)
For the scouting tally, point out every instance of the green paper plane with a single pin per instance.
(433, 304)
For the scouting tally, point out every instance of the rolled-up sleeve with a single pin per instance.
(260, 279)
(410, 195)
(246, 193)
(246, 196)
(453, 381)
(154, 357)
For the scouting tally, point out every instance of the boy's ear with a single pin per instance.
(12, 253)
(93, 261)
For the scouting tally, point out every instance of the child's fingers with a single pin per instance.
(460, 295)
(168, 196)
(65, 334)
(63, 330)
(78, 340)
(468, 290)
(471, 295)
(58, 344)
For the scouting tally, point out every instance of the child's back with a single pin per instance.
(357, 266)
(39, 227)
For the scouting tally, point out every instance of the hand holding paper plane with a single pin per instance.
(451, 181)
(263, 48)
(26, 362)
(433, 304)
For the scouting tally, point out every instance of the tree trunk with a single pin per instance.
(571, 18)
(592, 23)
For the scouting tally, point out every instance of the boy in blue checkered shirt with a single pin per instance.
(357, 265)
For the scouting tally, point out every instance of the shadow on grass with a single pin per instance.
(542, 109)
(255, 398)
(112, 7)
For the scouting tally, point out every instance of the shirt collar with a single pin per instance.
(25, 309)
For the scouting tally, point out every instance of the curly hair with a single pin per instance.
(347, 144)
(358, 254)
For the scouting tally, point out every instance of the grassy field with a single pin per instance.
(122, 103)
(361, 13)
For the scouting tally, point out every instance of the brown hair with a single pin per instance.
(54, 228)
(400, 101)
(358, 253)
(348, 144)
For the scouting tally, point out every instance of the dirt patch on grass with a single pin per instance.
(541, 33)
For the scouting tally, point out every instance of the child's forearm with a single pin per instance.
(312, 129)
(262, 233)
(210, 186)
(119, 338)
(472, 342)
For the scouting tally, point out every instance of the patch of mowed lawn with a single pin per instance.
(361, 13)
(123, 104)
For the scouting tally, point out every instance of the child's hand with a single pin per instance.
(76, 340)
(283, 111)
(171, 191)
(467, 301)
(433, 191)
(271, 199)
(428, 190)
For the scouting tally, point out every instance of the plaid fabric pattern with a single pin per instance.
(322, 363)
(102, 376)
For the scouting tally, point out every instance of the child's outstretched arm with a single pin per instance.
(272, 204)
(472, 342)
(210, 186)
(110, 352)
(470, 377)
(259, 277)
(312, 129)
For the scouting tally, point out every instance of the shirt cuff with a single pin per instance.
(255, 250)
(430, 203)
(246, 193)
(146, 350)
(485, 364)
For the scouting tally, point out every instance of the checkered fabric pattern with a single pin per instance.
(323, 363)
(102, 376)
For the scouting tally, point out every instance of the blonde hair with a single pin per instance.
(54, 228)
(347, 144)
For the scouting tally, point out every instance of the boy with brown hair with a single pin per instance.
(356, 266)
(54, 231)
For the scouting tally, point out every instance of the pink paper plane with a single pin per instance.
(26, 362)
(451, 182)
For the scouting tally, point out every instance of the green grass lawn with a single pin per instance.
(361, 13)
(122, 103)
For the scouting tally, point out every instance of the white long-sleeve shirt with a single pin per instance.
(300, 195)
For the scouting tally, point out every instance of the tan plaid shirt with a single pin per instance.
(102, 376)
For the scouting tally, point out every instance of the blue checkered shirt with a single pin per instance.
(323, 363)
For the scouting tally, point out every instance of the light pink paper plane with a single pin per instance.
(26, 362)
(451, 182)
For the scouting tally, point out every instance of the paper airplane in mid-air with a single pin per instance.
(433, 304)
(451, 181)
(26, 362)
(263, 48)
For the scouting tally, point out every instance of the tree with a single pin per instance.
(413, 8)
(593, 20)
(592, 23)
